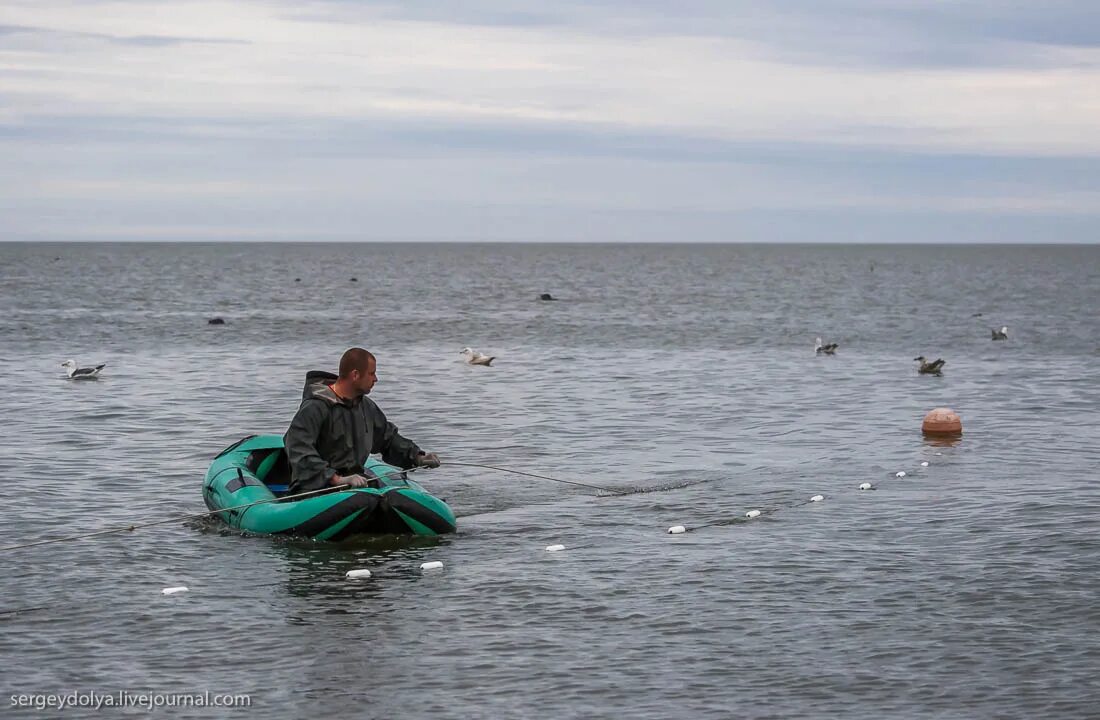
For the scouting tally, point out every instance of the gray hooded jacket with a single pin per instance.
(330, 435)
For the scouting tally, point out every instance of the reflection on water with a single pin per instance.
(942, 441)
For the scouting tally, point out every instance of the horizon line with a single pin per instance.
(247, 241)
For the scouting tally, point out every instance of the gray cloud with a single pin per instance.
(332, 126)
(140, 40)
(210, 179)
(906, 33)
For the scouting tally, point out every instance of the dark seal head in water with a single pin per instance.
(215, 321)
(546, 296)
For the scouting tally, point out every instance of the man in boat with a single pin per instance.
(337, 426)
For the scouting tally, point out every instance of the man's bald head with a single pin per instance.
(355, 359)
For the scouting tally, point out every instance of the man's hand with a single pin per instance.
(428, 460)
(355, 481)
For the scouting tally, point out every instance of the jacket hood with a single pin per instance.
(317, 386)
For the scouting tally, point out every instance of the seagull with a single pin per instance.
(820, 349)
(76, 373)
(1001, 334)
(475, 358)
(930, 368)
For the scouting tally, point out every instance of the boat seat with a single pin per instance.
(272, 468)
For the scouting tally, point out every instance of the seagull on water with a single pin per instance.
(475, 358)
(1001, 334)
(820, 349)
(79, 373)
(930, 368)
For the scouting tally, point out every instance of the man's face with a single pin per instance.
(366, 379)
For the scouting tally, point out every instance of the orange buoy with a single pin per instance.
(942, 421)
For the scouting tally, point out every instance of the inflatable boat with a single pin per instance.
(256, 469)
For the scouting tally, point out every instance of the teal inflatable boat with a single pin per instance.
(256, 468)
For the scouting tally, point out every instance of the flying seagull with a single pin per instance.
(475, 358)
(76, 373)
(930, 368)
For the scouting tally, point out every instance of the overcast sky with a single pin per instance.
(604, 120)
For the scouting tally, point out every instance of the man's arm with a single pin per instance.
(308, 469)
(396, 449)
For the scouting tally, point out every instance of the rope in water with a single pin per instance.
(541, 477)
(743, 518)
(192, 516)
(556, 547)
(680, 529)
(195, 516)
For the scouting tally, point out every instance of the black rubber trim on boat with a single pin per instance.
(241, 481)
(439, 525)
(234, 446)
(367, 502)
